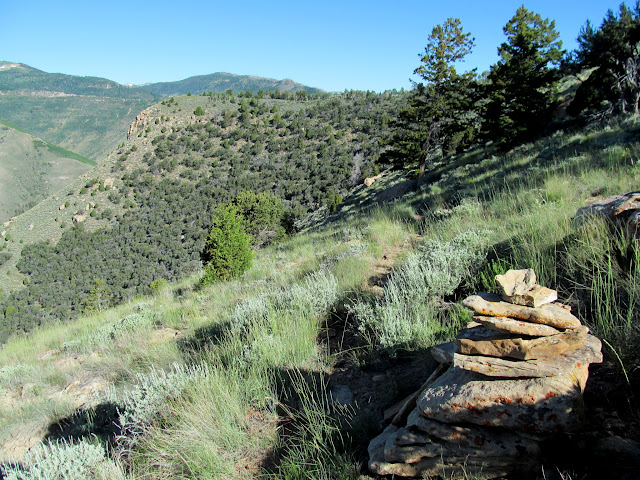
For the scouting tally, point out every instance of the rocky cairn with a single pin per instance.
(511, 380)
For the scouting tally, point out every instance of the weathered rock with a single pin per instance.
(623, 451)
(521, 349)
(443, 353)
(620, 209)
(341, 394)
(551, 314)
(533, 405)
(573, 364)
(536, 297)
(516, 327)
(399, 412)
(493, 441)
(516, 282)
(371, 180)
(490, 468)
(410, 445)
(477, 332)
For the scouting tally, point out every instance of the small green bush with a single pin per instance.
(158, 284)
(227, 253)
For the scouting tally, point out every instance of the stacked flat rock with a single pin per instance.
(511, 380)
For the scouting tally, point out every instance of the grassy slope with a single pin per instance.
(32, 169)
(89, 126)
(275, 340)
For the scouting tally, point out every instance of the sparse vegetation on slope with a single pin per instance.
(32, 169)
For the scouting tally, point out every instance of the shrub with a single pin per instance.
(408, 314)
(227, 252)
(158, 284)
(70, 461)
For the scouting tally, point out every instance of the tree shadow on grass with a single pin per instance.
(99, 422)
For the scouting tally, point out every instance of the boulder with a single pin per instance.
(492, 305)
(620, 209)
(516, 327)
(433, 466)
(494, 442)
(521, 349)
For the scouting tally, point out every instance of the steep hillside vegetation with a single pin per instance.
(31, 170)
(143, 214)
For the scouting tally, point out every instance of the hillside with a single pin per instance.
(31, 170)
(221, 82)
(22, 79)
(287, 371)
(90, 115)
(124, 216)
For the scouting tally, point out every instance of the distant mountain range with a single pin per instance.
(47, 118)
(20, 78)
(220, 82)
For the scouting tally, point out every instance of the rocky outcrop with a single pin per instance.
(622, 210)
(371, 180)
(511, 380)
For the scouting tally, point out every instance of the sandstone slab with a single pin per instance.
(426, 467)
(522, 349)
(532, 405)
(620, 209)
(516, 282)
(516, 327)
(536, 297)
(497, 442)
(443, 354)
(572, 364)
(410, 444)
(492, 305)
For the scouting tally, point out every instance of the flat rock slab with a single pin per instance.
(532, 405)
(409, 445)
(444, 353)
(536, 297)
(491, 441)
(567, 364)
(516, 327)
(516, 282)
(618, 208)
(427, 467)
(489, 304)
(522, 349)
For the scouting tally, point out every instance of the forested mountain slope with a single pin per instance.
(144, 212)
(221, 82)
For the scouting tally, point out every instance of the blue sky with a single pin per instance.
(333, 45)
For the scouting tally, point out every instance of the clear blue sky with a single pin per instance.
(333, 45)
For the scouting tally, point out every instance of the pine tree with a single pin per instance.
(440, 114)
(521, 83)
(614, 50)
